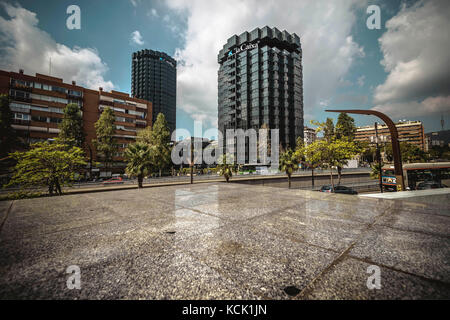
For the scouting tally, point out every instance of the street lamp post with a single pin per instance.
(378, 157)
(192, 161)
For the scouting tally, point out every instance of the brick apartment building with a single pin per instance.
(38, 103)
(408, 131)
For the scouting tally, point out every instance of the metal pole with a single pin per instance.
(192, 160)
(378, 157)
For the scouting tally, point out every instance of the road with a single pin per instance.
(186, 179)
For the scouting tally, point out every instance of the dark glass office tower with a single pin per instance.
(260, 82)
(154, 78)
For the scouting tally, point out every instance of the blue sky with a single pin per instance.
(342, 57)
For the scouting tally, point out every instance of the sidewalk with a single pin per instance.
(223, 241)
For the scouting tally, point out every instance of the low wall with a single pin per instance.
(360, 181)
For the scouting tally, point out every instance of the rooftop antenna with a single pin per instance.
(50, 67)
(442, 121)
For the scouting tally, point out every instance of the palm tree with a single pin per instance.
(288, 163)
(139, 158)
(225, 169)
(376, 168)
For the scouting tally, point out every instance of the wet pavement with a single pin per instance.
(223, 241)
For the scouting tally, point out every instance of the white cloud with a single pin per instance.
(428, 106)
(25, 46)
(417, 57)
(135, 2)
(361, 80)
(136, 38)
(323, 26)
(153, 13)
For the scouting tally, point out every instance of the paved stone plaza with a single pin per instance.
(223, 241)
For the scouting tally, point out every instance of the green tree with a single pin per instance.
(328, 130)
(139, 158)
(50, 164)
(160, 139)
(368, 152)
(333, 154)
(376, 169)
(288, 163)
(326, 127)
(310, 154)
(106, 143)
(410, 152)
(439, 152)
(7, 133)
(345, 126)
(145, 135)
(225, 167)
(71, 127)
(345, 129)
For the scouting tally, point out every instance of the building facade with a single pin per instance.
(260, 82)
(154, 78)
(408, 131)
(309, 135)
(38, 103)
(437, 138)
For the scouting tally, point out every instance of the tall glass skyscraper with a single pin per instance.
(154, 78)
(260, 82)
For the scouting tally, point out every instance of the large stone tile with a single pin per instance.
(442, 208)
(262, 262)
(31, 218)
(92, 242)
(181, 223)
(358, 211)
(155, 271)
(417, 221)
(311, 227)
(417, 253)
(348, 280)
(243, 208)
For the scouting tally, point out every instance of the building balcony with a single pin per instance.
(22, 99)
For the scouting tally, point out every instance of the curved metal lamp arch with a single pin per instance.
(394, 140)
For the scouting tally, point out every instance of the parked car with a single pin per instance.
(338, 189)
(114, 180)
(430, 185)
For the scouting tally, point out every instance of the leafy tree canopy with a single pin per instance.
(225, 166)
(105, 129)
(140, 158)
(160, 139)
(345, 126)
(71, 127)
(50, 164)
(410, 152)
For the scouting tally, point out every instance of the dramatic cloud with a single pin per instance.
(409, 109)
(323, 26)
(137, 38)
(25, 46)
(417, 57)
